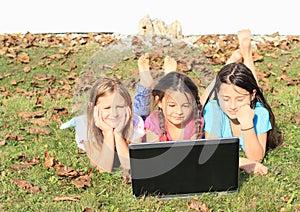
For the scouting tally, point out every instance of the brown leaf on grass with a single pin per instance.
(25, 185)
(296, 117)
(38, 102)
(72, 65)
(42, 122)
(12, 53)
(286, 198)
(38, 130)
(23, 58)
(66, 84)
(60, 111)
(3, 50)
(13, 82)
(265, 78)
(57, 113)
(72, 76)
(88, 210)
(63, 62)
(26, 164)
(277, 104)
(289, 81)
(26, 69)
(68, 51)
(294, 58)
(270, 66)
(63, 170)
(198, 206)
(5, 92)
(56, 118)
(257, 57)
(13, 137)
(67, 198)
(82, 181)
(41, 77)
(56, 57)
(2, 143)
(50, 161)
(29, 114)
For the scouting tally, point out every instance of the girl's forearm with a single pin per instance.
(105, 159)
(253, 147)
(122, 150)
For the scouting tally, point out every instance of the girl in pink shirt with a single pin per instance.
(178, 113)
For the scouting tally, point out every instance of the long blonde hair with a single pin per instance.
(102, 87)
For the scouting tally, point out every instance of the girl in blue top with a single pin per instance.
(236, 107)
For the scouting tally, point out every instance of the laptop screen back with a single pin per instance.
(184, 167)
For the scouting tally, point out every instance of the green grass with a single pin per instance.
(277, 191)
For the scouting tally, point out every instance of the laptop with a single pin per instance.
(182, 169)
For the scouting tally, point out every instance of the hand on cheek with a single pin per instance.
(99, 122)
(245, 116)
(124, 120)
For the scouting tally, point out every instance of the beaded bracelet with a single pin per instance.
(247, 128)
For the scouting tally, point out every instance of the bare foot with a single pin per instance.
(170, 65)
(244, 37)
(235, 57)
(146, 79)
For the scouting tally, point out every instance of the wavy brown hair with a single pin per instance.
(102, 87)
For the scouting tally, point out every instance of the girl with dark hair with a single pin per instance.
(236, 107)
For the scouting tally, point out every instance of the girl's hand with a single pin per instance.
(256, 168)
(245, 116)
(100, 123)
(124, 120)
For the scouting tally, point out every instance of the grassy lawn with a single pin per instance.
(38, 78)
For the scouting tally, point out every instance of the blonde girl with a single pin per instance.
(111, 125)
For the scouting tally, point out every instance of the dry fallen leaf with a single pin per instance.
(23, 58)
(67, 198)
(25, 185)
(13, 137)
(42, 122)
(50, 161)
(63, 170)
(28, 114)
(26, 69)
(82, 181)
(2, 143)
(26, 163)
(38, 130)
(197, 206)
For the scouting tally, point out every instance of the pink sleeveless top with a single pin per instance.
(152, 124)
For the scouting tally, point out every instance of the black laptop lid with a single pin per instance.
(184, 167)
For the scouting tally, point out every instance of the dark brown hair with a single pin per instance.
(176, 81)
(240, 75)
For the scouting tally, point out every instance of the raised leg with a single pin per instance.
(170, 65)
(244, 37)
(146, 80)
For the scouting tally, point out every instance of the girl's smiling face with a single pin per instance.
(112, 107)
(177, 107)
(232, 97)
